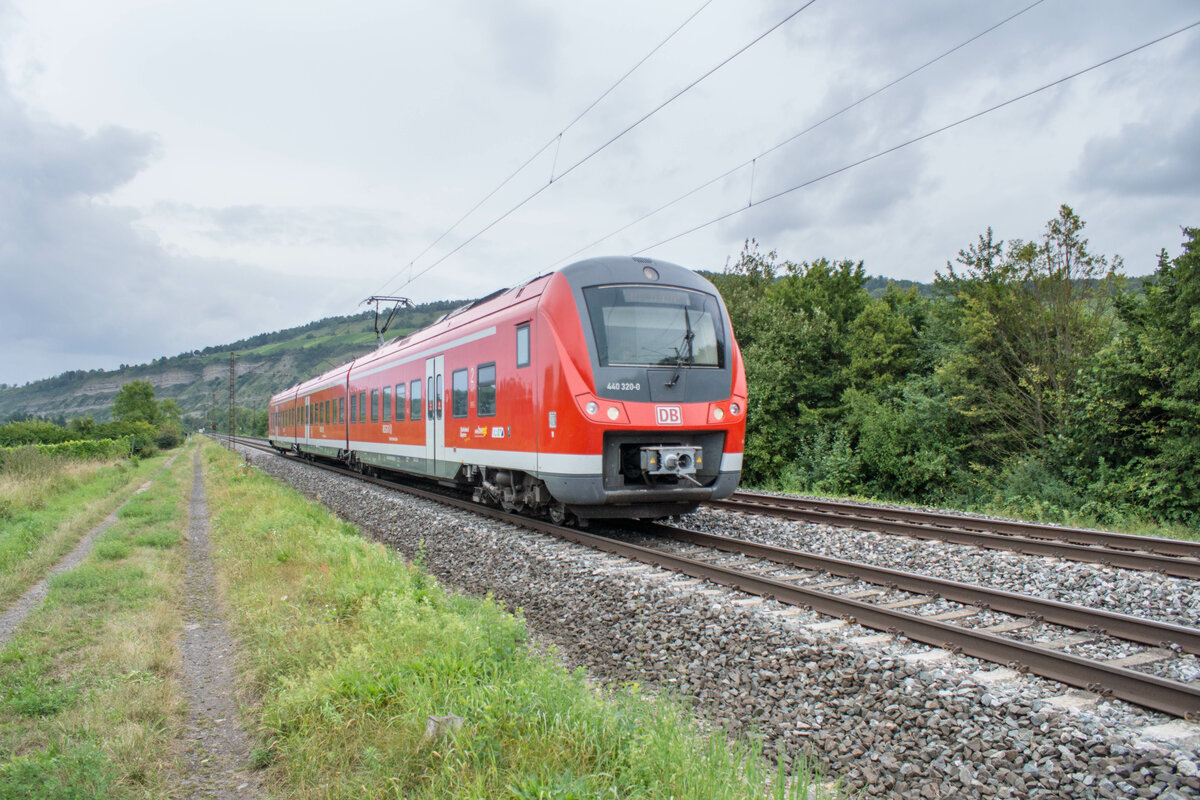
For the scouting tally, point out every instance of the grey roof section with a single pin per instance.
(629, 269)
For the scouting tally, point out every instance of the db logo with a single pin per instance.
(669, 415)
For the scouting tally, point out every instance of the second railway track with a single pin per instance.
(1175, 557)
(1172, 697)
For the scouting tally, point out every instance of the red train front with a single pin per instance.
(612, 388)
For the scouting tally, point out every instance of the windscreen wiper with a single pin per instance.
(687, 343)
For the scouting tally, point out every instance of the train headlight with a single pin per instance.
(592, 408)
(613, 413)
(735, 409)
(718, 413)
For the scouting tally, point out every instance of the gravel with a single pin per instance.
(890, 726)
(1156, 597)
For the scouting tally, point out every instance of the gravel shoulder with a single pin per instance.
(891, 724)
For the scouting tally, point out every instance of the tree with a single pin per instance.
(135, 403)
(1137, 432)
(1018, 324)
(791, 321)
(170, 410)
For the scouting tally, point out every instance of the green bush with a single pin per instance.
(32, 431)
(142, 435)
(168, 436)
(38, 458)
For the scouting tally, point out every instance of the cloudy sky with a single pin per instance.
(176, 174)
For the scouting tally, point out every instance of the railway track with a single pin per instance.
(1174, 557)
(896, 617)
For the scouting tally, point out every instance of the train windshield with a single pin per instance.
(655, 326)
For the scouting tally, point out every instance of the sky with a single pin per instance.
(181, 174)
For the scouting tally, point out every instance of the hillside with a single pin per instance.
(265, 364)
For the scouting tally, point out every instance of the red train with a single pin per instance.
(611, 388)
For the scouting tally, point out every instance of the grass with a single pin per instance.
(89, 698)
(47, 504)
(350, 651)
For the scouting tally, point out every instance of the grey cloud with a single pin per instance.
(1144, 159)
(522, 36)
(288, 225)
(82, 288)
(62, 161)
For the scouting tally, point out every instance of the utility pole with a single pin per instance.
(232, 392)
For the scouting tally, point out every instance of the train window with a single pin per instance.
(362, 406)
(655, 326)
(387, 404)
(374, 405)
(523, 345)
(414, 401)
(353, 408)
(458, 396)
(400, 401)
(328, 412)
(485, 392)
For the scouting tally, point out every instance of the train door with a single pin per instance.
(435, 424)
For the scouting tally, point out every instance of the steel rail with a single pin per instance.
(1121, 626)
(1164, 695)
(1126, 559)
(1038, 530)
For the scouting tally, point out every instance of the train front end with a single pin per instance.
(651, 387)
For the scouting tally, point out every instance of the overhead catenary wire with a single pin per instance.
(752, 162)
(608, 143)
(554, 140)
(916, 139)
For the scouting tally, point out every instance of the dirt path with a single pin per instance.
(15, 614)
(217, 762)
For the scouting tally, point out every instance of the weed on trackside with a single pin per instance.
(89, 703)
(351, 651)
(48, 503)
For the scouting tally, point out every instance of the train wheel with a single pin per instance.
(557, 513)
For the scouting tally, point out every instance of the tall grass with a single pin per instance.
(89, 699)
(351, 651)
(48, 502)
